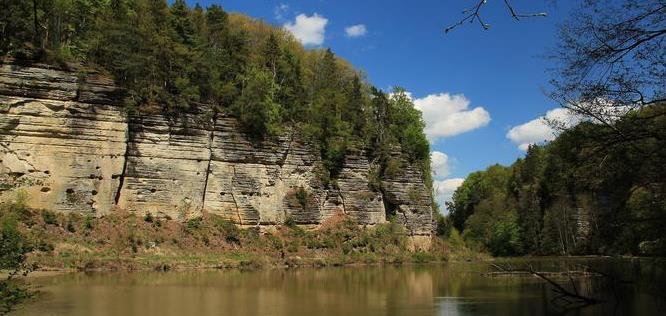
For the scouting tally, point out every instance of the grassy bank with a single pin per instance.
(128, 241)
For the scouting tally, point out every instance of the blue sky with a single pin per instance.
(482, 83)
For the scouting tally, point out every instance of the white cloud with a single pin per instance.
(280, 11)
(538, 131)
(309, 30)
(356, 30)
(444, 190)
(448, 115)
(439, 162)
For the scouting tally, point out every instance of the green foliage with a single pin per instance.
(88, 222)
(302, 196)
(194, 224)
(590, 191)
(13, 249)
(406, 125)
(256, 107)
(290, 222)
(443, 225)
(12, 294)
(422, 257)
(170, 59)
(49, 218)
(228, 229)
(393, 167)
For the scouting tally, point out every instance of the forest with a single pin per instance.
(590, 191)
(597, 188)
(172, 59)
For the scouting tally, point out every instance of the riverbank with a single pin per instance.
(124, 241)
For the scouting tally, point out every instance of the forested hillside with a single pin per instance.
(596, 189)
(172, 58)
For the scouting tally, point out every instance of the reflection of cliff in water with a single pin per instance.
(452, 289)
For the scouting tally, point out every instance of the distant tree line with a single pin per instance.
(587, 192)
(599, 187)
(172, 58)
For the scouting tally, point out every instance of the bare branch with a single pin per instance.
(474, 14)
(567, 296)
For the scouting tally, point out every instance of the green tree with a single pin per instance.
(14, 247)
(256, 108)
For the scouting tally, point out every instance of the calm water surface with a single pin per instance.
(450, 289)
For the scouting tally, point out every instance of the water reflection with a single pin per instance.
(454, 289)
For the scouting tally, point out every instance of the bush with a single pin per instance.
(290, 222)
(70, 226)
(11, 295)
(228, 229)
(88, 222)
(194, 224)
(13, 249)
(444, 226)
(49, 218)
(393, 167)
(422, 257)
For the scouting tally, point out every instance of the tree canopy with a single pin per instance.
(586, 192)
(174, 58)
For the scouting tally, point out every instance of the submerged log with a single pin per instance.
(564, 296)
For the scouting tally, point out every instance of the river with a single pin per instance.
(438, 289)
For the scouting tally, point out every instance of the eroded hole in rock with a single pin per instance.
(94, 192)
(45, 189)
(222, 194)
(115, 176)
(47, 172)
(97, 167)
(69, 191)
(153, 190)
(100, 178)
(92, 176)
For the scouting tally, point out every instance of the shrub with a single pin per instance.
(290, 222)
(393, 167)
(444, 226)
(49, 218)
(70, 226)
(194, 224)
(228, 229)
(303, 197)
(88, 222)
(422, 257)
(13, 249)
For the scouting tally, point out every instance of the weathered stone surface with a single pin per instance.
(359, 201)
(166, 163)
(65, 154)
(66, 141)
(252, 182)
(409, 198)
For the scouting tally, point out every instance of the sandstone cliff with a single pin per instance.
(66, 141)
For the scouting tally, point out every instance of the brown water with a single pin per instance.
(450, 289)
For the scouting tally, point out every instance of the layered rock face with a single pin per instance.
(66, 142)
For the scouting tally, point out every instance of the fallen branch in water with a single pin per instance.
(568, 297)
